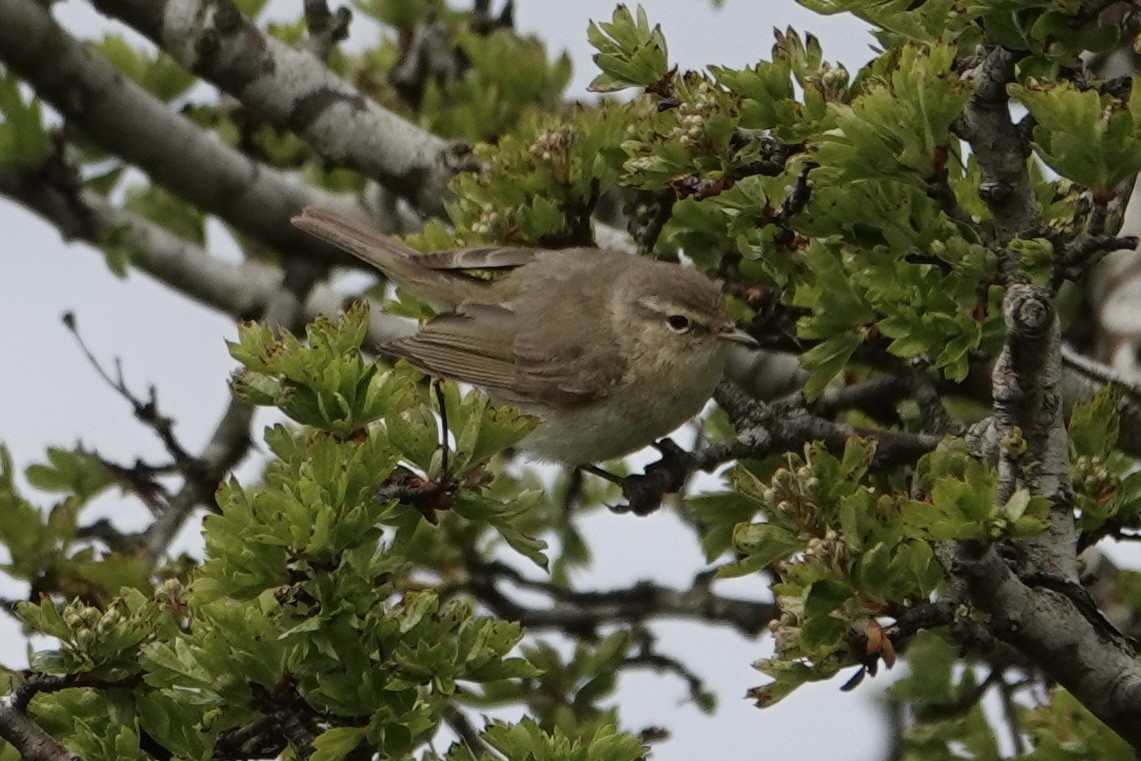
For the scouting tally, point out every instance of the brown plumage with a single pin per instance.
(610, 350)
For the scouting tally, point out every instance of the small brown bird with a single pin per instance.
(609, 350)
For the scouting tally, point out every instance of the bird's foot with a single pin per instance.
(644, 492)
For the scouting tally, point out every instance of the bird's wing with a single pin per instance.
(365, 243)
(563, 371)
(486, 258)
(480, 344)
(473, 345)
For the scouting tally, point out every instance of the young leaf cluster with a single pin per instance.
(46, 547)
(312, 600)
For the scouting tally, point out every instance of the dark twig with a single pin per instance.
(773, 155)
(933, 261)
(648, 657)
(797, 196)
(147, 411)
(1083, 252)
(227, 446)
(428, 496)
(259, 738)
(936, 420)
(103, 530)
(326, 28)
(1011, 711)
(964, 702)
(142, 479)
(763, 429)
(940, 191)
(910, 621)
(875, 398)
(584, 612)
(36, 683)
(459, 723)
(29, 738)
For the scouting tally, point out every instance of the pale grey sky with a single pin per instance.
(50, 396)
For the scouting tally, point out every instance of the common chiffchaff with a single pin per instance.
(609, 350)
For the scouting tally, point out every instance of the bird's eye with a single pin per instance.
(678, 323)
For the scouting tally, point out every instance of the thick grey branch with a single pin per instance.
(1035, 601)
(29, 738)
(764, 429)
(125, 120)
(1061, 639)
(295, 90)
(240, 290)
(1001, 152)
(1028, 406)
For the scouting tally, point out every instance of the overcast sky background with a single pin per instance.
(51, 396)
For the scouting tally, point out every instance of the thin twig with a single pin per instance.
(583, 612)
(146, 411)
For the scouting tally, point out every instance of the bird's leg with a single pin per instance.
(427, 496)
(606, 475)
(438, 388)
(644, 492)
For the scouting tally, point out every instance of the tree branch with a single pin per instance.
(999, 148)
(1028, 408)
(1036, 602)
(1045, 625)
(583, 612)
(231, 439)
(29, 738)
(763, 429)
(125, 120)
(242, 291)
(297, 91)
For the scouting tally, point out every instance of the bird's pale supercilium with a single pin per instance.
(611, 351)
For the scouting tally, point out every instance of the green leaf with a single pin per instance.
(1095, 425)
(337, 742)
(24, 141)
(762, 545)
(75, 472)
(630, 52)
(169, 211)
(161, 76)
(1088, 137)
(787, 676)
(827, 359)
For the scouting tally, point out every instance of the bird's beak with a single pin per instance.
(731, 332)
